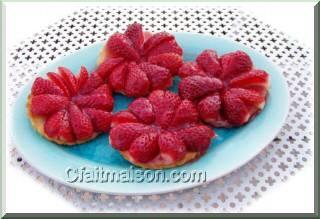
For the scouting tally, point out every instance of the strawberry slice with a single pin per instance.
(122, 135)
(186, 113)
(118, 77)
(103, 89)
(170, 46)
(197, 138)
(253, 78)
(155, 40)
(142, 109)
(106, 67)
(135, 34)
(69, 80)
(43, 86)
(91, 84)
(195, 87)
(58, 126)
(46, 104)
(249, 97)
(145, 147)
(171, 61)
(159, 77)
(123, 117)
(190, 69)
(80, 122)
(209, 109)
(57, 79)
(209, 61)
(120, 45)
(172, 146)
(82, 77)
(98, 101)
(234, 64)
(137, 83)
(100, 119)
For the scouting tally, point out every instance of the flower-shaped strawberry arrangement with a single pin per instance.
(137, 62)
(160, 129)
(228, 91)
(69, 110)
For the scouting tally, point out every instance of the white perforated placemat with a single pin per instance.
(285, 155)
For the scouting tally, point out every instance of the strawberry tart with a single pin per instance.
(137, 62)
(69, 109)
(228, 91)
(160, 131)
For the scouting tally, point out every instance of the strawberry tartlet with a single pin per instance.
(69, 109)
(137, 62)
(228, 91)
(161, 131)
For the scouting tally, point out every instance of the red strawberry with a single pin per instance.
(145, 147)
(209, 61)
(43, 86)
(91, 84)
(171, 61)
(170, 46)
(106, 67)
(155, 40)
(100, 119)
(197, 138)
(249, 97)
(234, 64)
(142, 109)
(82, 77)
(80, 122)
(159, 77)
(46, 104)
(252, 78)
(122, 135)
(69, 80)
(190, 69)
(209, 109)
(58, 126)
(103, 89)
(195, 87)
(137, 83)
(118, 77)
(120, 45)
(98, 101)
(235, 109)
(57, 79)
(135, 34)
(185, 113)
(123, 117)
(172, 146)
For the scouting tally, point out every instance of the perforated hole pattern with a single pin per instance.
(283, 157)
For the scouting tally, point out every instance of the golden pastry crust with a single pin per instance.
(160, 164)
(37, 123)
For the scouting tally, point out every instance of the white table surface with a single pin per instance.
(24, 194)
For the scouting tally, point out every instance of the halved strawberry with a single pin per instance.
(209, 61)
(190, 69)
(210, 109)
(135, 34)
(170, 46)
(46, 104)
(171, 61)
(117, 77)
(159, 77)
(251, 79)
(142, 109)
(106, 67)
(80, 122)
(100, 119)
(69, 79)
(120, 45)
(186, 113)
(155, 40)
(103, 89)
(93, 82)
(137, 83)
(43, 86)
(123, 117)
(57, 79)
(58, 126)
(82, 77)
(195, 87)
(98, 101)
(145, 147)
(171, 145)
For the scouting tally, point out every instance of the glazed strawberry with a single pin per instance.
(227, 90)
(136, 62)
(153, 132)
(69, 109)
